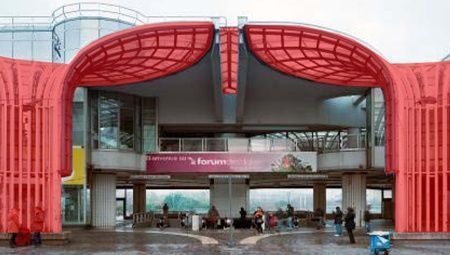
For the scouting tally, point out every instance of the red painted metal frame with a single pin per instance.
(36, 102)
(417, 109)
(229, 57)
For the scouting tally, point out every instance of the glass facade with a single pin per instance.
(120, 121)
(72, 35)
(334, 199)
(124, 203)
(26, 44)
(178, 200)
(272, 199)
(73, 204)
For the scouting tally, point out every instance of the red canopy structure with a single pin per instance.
(36, 98)
(417, 110)
(36, 106)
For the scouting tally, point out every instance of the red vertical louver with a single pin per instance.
(229, 58)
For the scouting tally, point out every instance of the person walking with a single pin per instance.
(13, 226)
(338, 214)
(38, 226)
(350, 224)
(367, 218)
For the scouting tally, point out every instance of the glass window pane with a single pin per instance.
(87, 36)
(124, 26)
(178, 200)
(5, 36)
(89, 23)
(387, 193)
(272, 199)
(72, 39)
(334, 199)
(72, 204)
(120, 193)
(149, 124)
(126, 128)
(22, 50)
(77, 124)
(104, 32)
(109, 114)
(6, 49)
(374, 200)
(69, 54)
(43, 36)
(129, 202)
(109, 24)
(94, 118)
(42, 50)
(20, 36)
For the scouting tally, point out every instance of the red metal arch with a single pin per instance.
(36, 101)
(316, 55)
(417, 111)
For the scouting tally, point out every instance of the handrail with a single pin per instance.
(99, 10)
(35, 22)
(124, 14)
(319, 144)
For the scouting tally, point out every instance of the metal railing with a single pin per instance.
(17, 23)
(142, 219)
(96, 10)
(123, 14)
(319, 144)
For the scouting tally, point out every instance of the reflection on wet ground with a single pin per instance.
(150, 241)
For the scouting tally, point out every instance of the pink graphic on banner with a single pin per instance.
(231, 162)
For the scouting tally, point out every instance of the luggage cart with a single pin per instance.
(380, 242)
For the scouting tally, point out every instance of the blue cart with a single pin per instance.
(380, 242)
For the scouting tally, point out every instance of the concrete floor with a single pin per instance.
(145, 241)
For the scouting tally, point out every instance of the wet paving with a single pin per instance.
(143, 241)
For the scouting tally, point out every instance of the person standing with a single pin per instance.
(213, 217)
(38, 226)
(280, 219)
(259, 221)
(319, 217)
(290, 216)
(243, 213)
(13, 226)
(367, 218)
(350, 224)
(338, 214)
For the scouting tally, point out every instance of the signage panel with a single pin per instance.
(229, 162)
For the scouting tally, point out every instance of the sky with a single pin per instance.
(401, 30)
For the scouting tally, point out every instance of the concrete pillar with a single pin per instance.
(354, 194)
(219, 196)
(103, 200)
(139, 197)
(320, 196)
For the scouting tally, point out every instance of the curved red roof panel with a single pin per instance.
(316, 55)
(141, 53)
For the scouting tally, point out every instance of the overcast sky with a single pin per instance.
(402, 30)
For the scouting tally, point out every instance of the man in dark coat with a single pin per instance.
(350, 223)
(338, 214)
